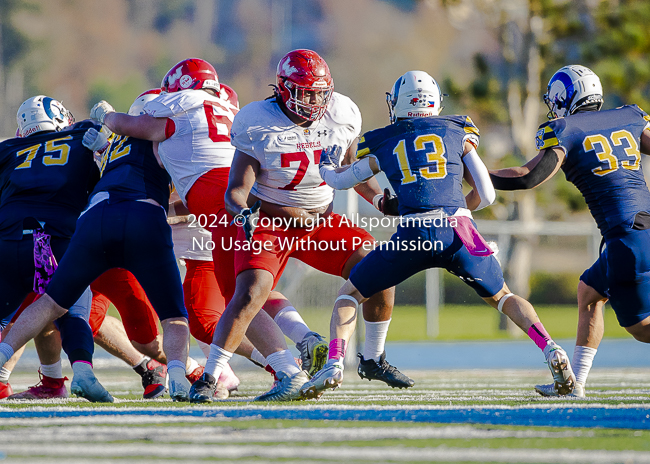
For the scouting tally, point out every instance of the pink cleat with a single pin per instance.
(47, 388)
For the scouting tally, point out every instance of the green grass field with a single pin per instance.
(473, 322)
(161, 431)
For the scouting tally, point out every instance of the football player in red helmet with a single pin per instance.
(304, 84)
(192, 73)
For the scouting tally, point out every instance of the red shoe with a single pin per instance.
(195, 374)
(47, 388)
(153, 378)
(5, 390)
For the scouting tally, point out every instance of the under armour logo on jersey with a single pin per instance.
(323, 132)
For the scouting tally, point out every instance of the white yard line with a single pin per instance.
(333, 454)
(37, 433)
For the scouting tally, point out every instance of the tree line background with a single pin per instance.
(492, 58)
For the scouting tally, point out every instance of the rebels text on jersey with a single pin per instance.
(603, 161)
(201, 137)
(130, 171)
(289, 154)
(47, 177)
(422, 158)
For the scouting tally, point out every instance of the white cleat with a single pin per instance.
(179, 386)
(330, 377)
(549, 390)
(558, 363)
(286, 388)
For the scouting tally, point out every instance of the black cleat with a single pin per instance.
(203, 389)
(373, 370)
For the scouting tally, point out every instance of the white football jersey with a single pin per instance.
(289, 154)
(201, 140)
(191, 242)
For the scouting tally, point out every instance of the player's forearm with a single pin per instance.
(236, 200)
(473, 200)
(142, 127)
(369, 189)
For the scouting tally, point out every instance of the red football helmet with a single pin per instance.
(193, 73)
(305, 84)
(228, 93)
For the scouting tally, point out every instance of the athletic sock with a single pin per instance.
(538, 334)
(4, 374)
(338, 346)
(6, 352)
(217, 360)
(193, 364)
(204, 347)
(141, 367)
(376, 333)
(142, 363)
(82, 369)
(258, 357)
(291, 324)
(283, 361)
(52, 371)
(583, 358)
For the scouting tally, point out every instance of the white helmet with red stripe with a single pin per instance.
(137, 108)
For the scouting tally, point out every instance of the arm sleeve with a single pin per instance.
(481, 178)
(358, 172)
(542, 170)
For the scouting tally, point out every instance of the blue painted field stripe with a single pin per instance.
(624, 418)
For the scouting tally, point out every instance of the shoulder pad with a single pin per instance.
(171, 104)
(344, 111)
(546, 136)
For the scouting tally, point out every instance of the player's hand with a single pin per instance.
(100, 110)
(387, 203)
(95, 140)
(330, 157)
(247, 218)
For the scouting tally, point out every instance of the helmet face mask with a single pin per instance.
(304, 84)
(414, 95)
(42, 113)
(571, 88)
(193, 73)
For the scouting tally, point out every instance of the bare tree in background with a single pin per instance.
(13, 45)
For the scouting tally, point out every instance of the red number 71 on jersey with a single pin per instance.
(287, 158)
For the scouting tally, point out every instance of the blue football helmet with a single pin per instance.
(572, 87)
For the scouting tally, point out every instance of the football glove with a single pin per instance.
(387, 203)
(95, 140)
(247, 218)
(100, 110)
(330, 157)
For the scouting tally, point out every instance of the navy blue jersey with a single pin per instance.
(422, 158)
(46, 176)
(130, 171)
(603, 161)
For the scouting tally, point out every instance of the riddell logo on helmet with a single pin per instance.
(185, 81)
(31, 130)
(416, 114)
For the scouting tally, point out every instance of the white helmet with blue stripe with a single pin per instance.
(571, 88)
(41, 113)
(414, 95)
